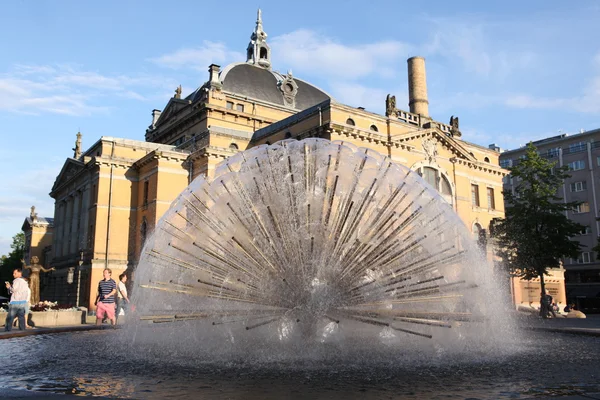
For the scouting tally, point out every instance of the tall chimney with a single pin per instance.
(417, 87)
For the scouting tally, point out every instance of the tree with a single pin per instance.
(13, 260)
(536, 232)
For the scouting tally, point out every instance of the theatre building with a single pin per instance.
(110, 197)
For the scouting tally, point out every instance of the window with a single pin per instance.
(239, 107)
(374, 128)
(508, 163)
(475, 195)
(584, 258)
(490, 199)
(486, 159)
(578, 186)
(263, 53)
(429, 174)
(143, 231)
(229, 105)
(553, 152)
(577, 165)
(146, 190)
(288, 135)
(582, 208)
(233, 146)
(577, 147)
(446, 188)
(598, 161)
(350, 122)
(586, 231)
(438, 180)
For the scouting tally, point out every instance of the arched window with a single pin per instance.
(350, 122)
(268, 143)
(430, 176)
(438, 180)
(263, 52)
(288, 135)
(233, 146)
(374, 128)
(446, 188)
(486, 159)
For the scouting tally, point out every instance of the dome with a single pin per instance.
(263, 84)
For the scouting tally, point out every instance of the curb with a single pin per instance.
(43, 331)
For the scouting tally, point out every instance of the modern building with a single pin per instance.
(110, 197)
(581, 153)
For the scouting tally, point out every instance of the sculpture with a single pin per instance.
(178, 92)
(390, 105)
(454, 127)
(34, 277)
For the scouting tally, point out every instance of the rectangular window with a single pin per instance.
(508, 163)
(577, 147)
(577, 165)
(584, 258)
(585, 231)
(598, 161)
(490, 199)
(582, 208)
(239, 107)
(553, 152)
(146, 190)
(475, 195)
(229, 105)
(578, 186)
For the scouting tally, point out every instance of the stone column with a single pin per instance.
(67, 225)
(74, 223)
(85, 216)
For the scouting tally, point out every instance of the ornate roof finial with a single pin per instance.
(178, 92)
(77, 149)
(259, 52)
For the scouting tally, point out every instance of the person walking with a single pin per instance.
(18, 301)
(122, 298)
(105, 300)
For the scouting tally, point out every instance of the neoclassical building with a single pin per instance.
(110, 196)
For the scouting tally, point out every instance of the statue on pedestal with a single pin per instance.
(34, 277)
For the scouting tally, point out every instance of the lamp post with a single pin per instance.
(80, 262)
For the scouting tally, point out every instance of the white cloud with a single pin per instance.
(309, 52)
(69, 90)
(199, 58)
(471, 41)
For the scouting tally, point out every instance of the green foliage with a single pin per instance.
(535, 233)
(13, 260)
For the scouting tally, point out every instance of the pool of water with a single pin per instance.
(107, 363)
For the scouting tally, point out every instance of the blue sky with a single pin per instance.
(513, 71)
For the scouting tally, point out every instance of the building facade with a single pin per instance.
(581, 153)
(110, 197)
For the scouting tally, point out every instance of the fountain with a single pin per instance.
(317, 240)
(309, 269)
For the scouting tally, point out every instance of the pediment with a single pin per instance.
(173, 106)
(430, 141)
(71, 168)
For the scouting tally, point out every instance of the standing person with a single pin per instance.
(122, 299)
(18, 301)
(105, 300)
(548, 303)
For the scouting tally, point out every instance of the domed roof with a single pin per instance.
(263, 84)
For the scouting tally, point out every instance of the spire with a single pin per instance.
(259, 52)
(77, 149)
